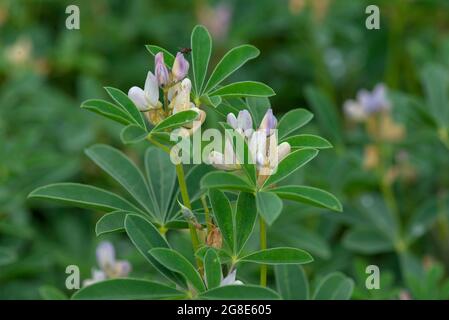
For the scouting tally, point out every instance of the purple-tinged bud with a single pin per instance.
(232, 120)
(161, 70)
(244, 120)
(105, 255)
(374, 101)
(269, 122)
(180, 67)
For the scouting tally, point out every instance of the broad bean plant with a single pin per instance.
(220, 193)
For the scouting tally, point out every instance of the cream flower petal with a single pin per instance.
(151, 90)
(137, 95)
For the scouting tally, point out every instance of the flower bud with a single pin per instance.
(161, 70)
(374, 101)
(269, 122)
(105, 255)
(137, 96)
(245, 123)
(232, 120)
(180, 67)
(283, 150)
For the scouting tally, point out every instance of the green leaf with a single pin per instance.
(223, 215)
(335, 286)
(436, 83)
(212, 269)
(244, 88)
(240, 292)
(161, 174)
(309, 195)
(127, 289)
(308, 141)
(84, 196)
(222, 254)
(169, 59)
(107, 110)
(292, 121)
(245, 219)
(177, 120)
(7, 256)
(178, 263)
(201, 44)
(214, 101)
(51, 293)
(125, 172)
(269, 206)
(423, 219)
(145, 237)
(258, 106)
(306, 239)
(193, 180)
(291, 282)
(133, 134)
(378, 216)
(163, 138)
(278, 256)
(111, 222)
(291, 163)
(242, 152)
(231, 61)
(326, 113)
(367, 241)
(122, 99)
(225, 181)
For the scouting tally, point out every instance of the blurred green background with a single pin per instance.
(314, 54)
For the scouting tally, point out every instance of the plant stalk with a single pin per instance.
(263, 246)
(186, 202)
(206, 213)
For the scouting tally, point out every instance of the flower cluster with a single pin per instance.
(110, 268)
(374, 109)
(367, 103)
(176, 89)
(262, 144)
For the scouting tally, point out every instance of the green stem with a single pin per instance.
(263, 246)
(186, 202)
(167, 113)
(444, 136)
(160, 145)
(206, 213)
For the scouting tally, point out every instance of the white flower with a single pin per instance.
(180, 96)
(262, 144)
(230, 279)
(109, 267)
(266, 152)
(148, 98)
(226, 161)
